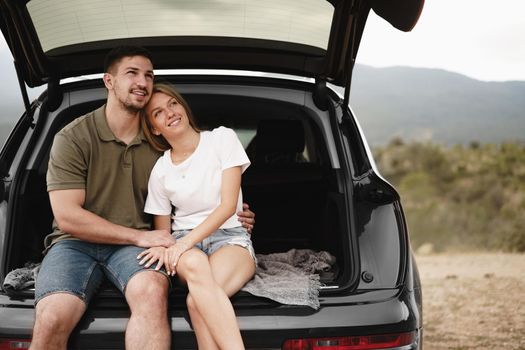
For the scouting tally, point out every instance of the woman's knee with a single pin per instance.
(193, 264)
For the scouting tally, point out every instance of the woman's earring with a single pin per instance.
(155, 131)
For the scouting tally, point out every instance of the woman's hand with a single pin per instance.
(246, 217)
(152, 255)
(172, 255)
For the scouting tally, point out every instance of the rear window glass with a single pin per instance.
(60, 23)
(248, 139)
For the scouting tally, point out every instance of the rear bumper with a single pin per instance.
(262, 328)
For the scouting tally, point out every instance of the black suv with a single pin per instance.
(269, 70)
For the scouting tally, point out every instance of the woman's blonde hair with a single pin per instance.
(158, 141)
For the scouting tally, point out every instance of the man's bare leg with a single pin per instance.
(148, 327)
(56, 315)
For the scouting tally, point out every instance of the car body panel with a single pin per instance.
(389, 303)
(387, 311)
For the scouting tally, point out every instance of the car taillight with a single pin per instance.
(361, 342)
(10, 344)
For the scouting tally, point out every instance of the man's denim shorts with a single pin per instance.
(227, 236)
(78, 268)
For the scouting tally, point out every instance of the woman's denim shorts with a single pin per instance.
(78, 268)
(227, 236)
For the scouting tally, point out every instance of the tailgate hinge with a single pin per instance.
(351, 59)
(23, 90)
(320, 94)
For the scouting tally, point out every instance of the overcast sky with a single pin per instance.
(482, 39)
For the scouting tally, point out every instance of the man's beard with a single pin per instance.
(131, 107)
(127, 101)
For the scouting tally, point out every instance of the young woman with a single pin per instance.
(199, 176)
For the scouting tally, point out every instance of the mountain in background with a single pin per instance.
(411, 103)
(437, 105)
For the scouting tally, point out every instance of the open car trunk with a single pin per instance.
(294, 184)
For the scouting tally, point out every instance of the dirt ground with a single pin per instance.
(473, 301)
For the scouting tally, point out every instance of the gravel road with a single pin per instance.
(473, 301)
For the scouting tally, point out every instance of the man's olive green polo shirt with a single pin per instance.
(87, 155)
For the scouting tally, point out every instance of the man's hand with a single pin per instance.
(155, 238)
(246, 217)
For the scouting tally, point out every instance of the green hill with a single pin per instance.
(459, 198)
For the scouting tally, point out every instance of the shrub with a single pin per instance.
(460, 198)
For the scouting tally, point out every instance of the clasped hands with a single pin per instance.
(164, 256)
(170, 256)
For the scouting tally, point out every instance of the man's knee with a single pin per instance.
(148, 285)
(58, 313)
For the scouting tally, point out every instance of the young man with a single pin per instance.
(97, 182)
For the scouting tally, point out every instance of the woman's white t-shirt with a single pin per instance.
(193, 187)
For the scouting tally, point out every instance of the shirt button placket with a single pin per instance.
(127, 158)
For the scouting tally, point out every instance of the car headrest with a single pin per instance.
(280, 136)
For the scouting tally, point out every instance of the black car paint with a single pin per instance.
(389, 302)
(385, 311)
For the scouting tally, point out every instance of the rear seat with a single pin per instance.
(287, 193)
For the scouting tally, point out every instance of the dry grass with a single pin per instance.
(473, 301)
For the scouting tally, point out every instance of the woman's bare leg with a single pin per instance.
(210, 300)
(232, 266)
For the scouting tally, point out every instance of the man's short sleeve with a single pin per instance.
(67, 167)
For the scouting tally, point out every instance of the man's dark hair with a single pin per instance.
(119, 52)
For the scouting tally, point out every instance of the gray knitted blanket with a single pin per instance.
(290, 278)
(21, 278)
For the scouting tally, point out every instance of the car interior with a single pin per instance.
(290, 185)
